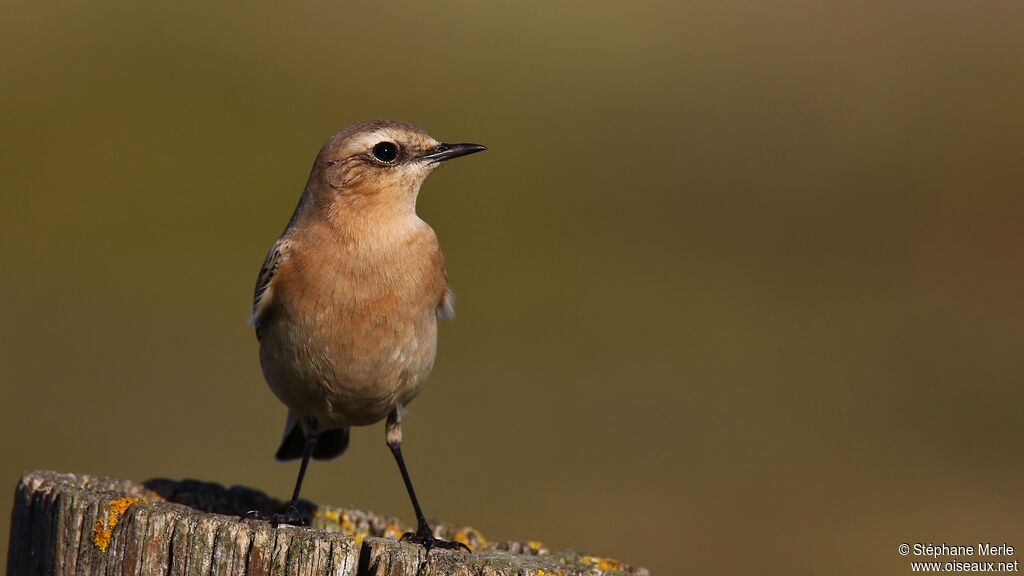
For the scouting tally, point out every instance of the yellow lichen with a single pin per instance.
(104, 527)
(331, 515)
(471, 537)
(535, 545)
(393, 530)
(602, 563)
(348, 526)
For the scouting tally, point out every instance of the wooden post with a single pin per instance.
(73, 524)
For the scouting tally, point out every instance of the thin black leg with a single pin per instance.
(307, 453)
(396, 450)
(292, 514)
(423, 535)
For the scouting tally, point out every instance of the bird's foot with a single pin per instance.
(291, 516)
(425, 537)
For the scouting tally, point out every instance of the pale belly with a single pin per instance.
(348, 365)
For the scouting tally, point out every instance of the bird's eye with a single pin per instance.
(386, 152)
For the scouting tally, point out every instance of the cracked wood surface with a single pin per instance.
(74, 524)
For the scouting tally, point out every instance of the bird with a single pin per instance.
(348, 299)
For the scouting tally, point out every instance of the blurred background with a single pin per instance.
(739, 284)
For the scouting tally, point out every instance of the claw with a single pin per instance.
(291, 516)
(424, 537)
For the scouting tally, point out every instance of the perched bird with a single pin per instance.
(348, 298)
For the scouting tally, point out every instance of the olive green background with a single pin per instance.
(740, 284)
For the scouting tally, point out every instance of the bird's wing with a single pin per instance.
(446, 307)
(278, 255)
(446, 303)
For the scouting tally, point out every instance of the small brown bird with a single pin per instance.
(348, 299)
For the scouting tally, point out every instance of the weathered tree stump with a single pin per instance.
(72, 524)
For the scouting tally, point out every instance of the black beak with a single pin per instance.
(448, 151)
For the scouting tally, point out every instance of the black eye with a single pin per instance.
(385, 151)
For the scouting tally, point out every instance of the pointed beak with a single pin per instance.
(448, 151)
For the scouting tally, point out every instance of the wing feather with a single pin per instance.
(264, 293)
(446, 307)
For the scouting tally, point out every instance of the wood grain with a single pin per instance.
(74, 524)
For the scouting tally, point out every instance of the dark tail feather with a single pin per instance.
(330, 444)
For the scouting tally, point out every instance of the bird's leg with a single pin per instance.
(423, 534)
(292, 514)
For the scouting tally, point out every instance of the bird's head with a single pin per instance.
(380, 163)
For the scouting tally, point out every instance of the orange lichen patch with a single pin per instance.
(393, 530)
(544, 573)
(602, 563)
(535, 545)
(471, 537)
(104, 527)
